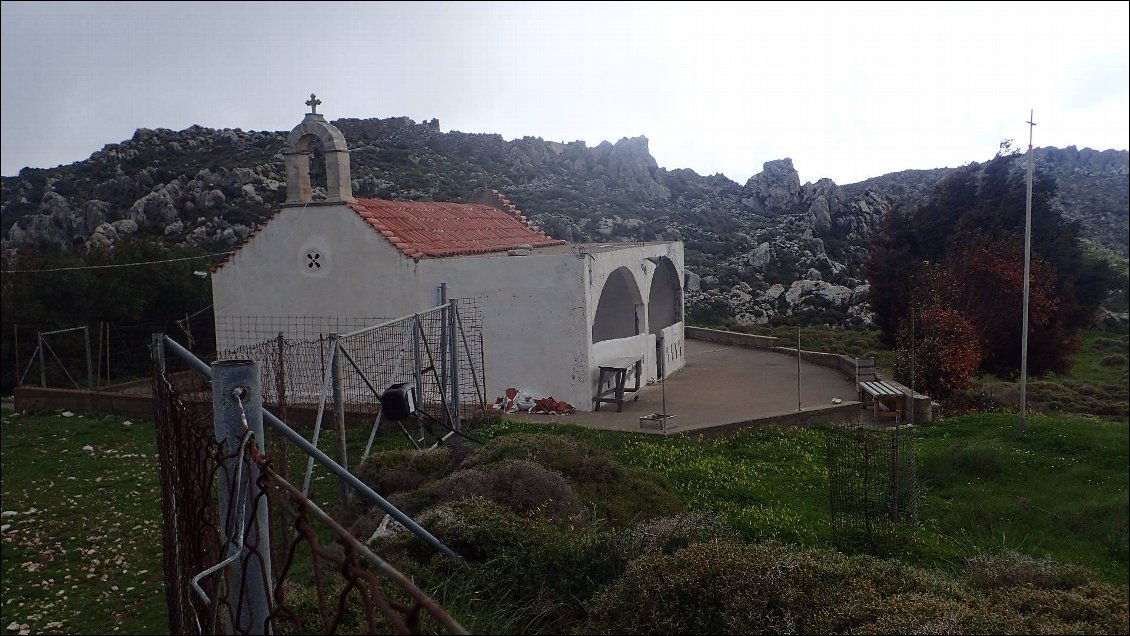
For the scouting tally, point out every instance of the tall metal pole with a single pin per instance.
(1027, 263)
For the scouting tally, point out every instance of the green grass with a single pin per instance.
(88, 559)
(1058, 490)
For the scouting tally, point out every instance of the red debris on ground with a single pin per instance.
(517, 401)
(552, 407)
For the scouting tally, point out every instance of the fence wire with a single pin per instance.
(432, 351)
(323, 579)
(874, 488)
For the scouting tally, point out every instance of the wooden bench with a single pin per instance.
(616, 373)
(880, 392)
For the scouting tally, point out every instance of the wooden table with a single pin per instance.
(616, 372)
(880, 392)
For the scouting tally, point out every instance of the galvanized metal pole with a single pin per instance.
(237, 405)
(157, 351)
(418, 333)
(443, 349)
(1027, 262)
(453, 345)
(42, 366)
(283, 463)
(89, 360)
(339, 420)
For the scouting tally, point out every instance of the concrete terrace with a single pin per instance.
(724, 387)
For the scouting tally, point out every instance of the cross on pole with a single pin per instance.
(313, 103)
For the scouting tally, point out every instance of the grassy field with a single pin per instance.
(82, 527)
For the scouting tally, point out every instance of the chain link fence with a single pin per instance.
(246, 551)
(874, 488)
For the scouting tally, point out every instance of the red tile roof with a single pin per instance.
(433, 229)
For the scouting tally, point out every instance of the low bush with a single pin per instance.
(725, 587)
(520, 486)
(396, 471)
(613, 492)
(667, 535)
(1114, 360)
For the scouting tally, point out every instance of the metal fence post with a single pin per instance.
(339, 419)
(443, 377)
(89, 360)
(236, 400)
(454, 353)
(42, 366)
(157, 351)
(417, 333)
(283, 462)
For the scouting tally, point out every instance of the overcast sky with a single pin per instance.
(847, 90)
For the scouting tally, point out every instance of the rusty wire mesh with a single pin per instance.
(321, 579)
(873, 486)
(186, 446)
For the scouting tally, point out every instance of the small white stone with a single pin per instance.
(13, 627)
(88, 448)
(67, 414)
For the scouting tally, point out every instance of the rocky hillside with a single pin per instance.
(771, 248)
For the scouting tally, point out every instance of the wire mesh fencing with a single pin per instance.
(873, 486)
(438, 352)
(290, 568)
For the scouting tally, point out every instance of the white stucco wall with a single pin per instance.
(361, 274)
(535, 327)
(538, 310)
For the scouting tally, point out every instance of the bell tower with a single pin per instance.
(296, 156)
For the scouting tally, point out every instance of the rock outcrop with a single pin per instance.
(770, 248)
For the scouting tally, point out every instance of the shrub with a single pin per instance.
(1114, 360)
(716, 587)
(571, 458)
(667, 535)
(613, 491)
(520, 486)
(395, 471)
(533, 571)
(989, 571)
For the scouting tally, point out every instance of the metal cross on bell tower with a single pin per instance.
(313, 103)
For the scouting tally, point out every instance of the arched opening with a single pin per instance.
(312, 145)
(619, 310)
(665, 300)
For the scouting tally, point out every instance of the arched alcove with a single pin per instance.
(619, 308)
(665, 299)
